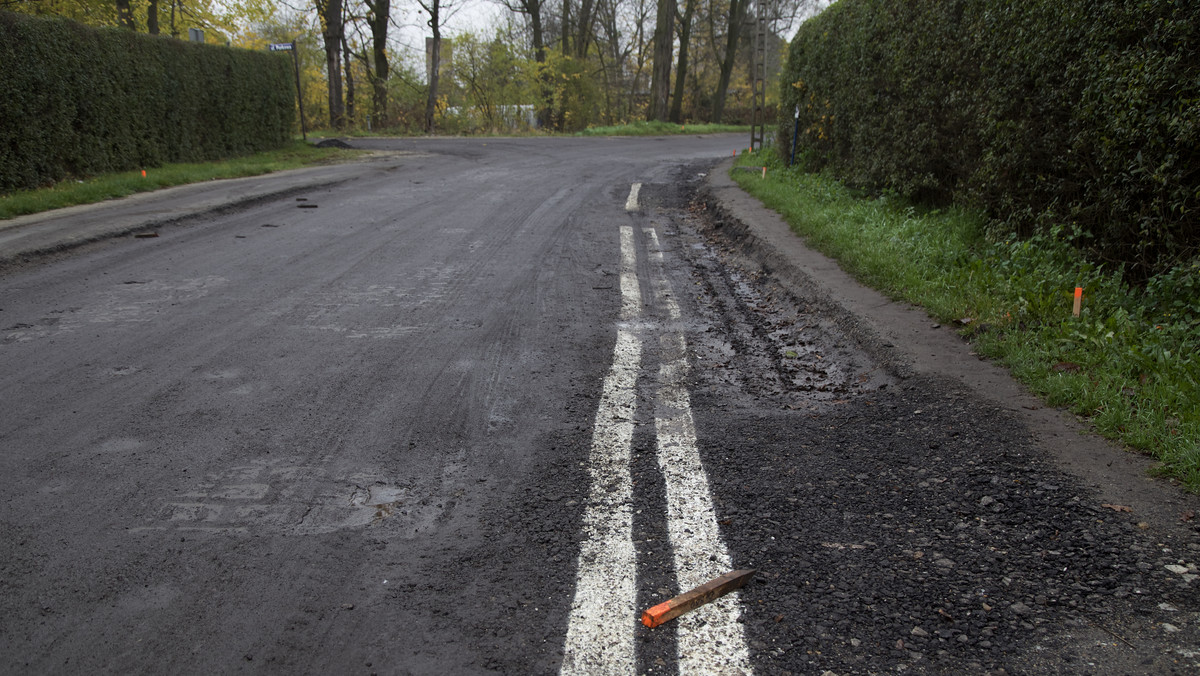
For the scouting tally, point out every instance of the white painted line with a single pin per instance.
(631, 292)
(631, 204)
(601, 629)
(658, 282)
(600, 633)
(711, 639)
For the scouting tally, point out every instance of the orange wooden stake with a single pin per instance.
(764, 172)
(705, 593)
(1078, 300)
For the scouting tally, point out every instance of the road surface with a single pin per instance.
(475, 408)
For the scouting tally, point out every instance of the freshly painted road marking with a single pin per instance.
(711, 639)
(603, 614)
(603, 620)
(631, 204)
(631, 292)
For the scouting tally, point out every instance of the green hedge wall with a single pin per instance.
(1045, 113)
(76, 101)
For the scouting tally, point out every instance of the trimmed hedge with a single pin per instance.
(1045, 113)
(77, 101)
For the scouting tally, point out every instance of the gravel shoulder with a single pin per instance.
(916, 510)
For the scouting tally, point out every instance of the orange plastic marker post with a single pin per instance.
(143, 173)
(1078, 300)
(764, 172)
(705, 593)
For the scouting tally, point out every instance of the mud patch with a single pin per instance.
(757, 335)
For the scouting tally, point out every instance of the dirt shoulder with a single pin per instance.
(910, 343)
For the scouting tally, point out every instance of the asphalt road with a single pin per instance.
(475, 407)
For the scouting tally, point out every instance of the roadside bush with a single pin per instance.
(76, 101)
(1084, 113)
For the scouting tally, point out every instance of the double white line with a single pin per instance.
(600, 635)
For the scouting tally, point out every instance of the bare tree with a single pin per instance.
(439, 12)
(733, 33)
(533, 10)
(378, 18)
(660, 77)
(685, 36)
(332, 33)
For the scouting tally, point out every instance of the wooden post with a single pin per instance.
(705, 593)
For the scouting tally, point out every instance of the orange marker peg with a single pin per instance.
(705, 593)
(143, 173)
(1078, 300)
(764, 172)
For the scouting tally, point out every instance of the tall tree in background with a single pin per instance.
(378, 18)
(584, 27)
(437, 16)
(533, 10)
(733, 32)
(125, 15)
(349, 80)
(664, 46)
(685, 36)
(333, 32)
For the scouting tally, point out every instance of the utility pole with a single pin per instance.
(758, 76)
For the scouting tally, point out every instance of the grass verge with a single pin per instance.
(661, 129)
(110, 186)
(1130, 362)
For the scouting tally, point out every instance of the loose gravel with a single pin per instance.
(905, 523)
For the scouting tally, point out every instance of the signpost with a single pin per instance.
(291, 47)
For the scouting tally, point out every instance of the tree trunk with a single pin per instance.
(737, 16)
(331, 33)
(660, 82)
(539, 54)
(583, 29)
(350, 107)
(152, 17)
(378, 20)
(566, 28)
(125, 15)
(435, 63)
(685, 36)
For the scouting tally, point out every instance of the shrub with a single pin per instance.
(76, 101)
(1081, 113)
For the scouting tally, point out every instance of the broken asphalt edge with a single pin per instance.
(175, 215)
(903, 339)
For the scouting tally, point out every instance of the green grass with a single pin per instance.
(110, 186)
(1128, 363)
(661, 129)
(631, 129)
